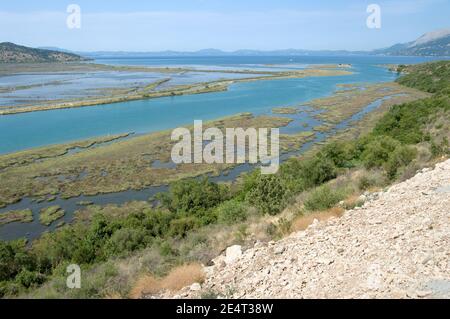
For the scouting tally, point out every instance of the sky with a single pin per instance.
(190, 25)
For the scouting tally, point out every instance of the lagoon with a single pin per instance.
(28, 130)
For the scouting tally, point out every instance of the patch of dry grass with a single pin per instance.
(303, 221)
(177, 278)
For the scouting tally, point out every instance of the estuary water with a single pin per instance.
(28, 130)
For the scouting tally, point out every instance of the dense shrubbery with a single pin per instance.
(18, 264)
(431, 77)
(405, 122)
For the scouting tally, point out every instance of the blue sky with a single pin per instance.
(187, 25)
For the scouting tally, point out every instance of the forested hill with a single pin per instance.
(431, 77)
(13, 53)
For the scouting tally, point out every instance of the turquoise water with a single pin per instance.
(23, 131)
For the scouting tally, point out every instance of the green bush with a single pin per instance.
(231, 212)
(157, 223)
(193, 196)
(441, 148)
(14, 258)
(405, 122)
(323, 197)
(181, 226)
(365, 182)
(268, 195)
(126, 240)
(431, 77)
(400, 157)
(377, 151)
(318, 170)
(342, 154)
(28, 278)
(9, 288)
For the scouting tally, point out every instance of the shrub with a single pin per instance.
(405, 122)
(400, 157)
(365, 182)
(193, 196)
(126, 240)
(318, 170)
(157, 223)
(231, 212)
(181, 226)
(268, 195)
(377, 151)
(323, 197)
(14, 258)
(441, 148)
(9, 288)
(28, 278)
(341, 154)
(247, 183)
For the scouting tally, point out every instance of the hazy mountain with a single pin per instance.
(13, 53)
(216, 52)
(55, 49)
(435, 43)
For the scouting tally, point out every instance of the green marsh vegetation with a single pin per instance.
(196, 218)
(50, 214)
(113, 167)
(285, 110)
(22, 216)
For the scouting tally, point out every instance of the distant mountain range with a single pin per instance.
(435, 43)
(216, 52)
(13, 53)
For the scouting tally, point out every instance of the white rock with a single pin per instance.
(233, 253)
(362, 198)
(279, 250)
(195, 287)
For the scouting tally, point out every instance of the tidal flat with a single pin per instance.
(125, 164)
(40, 87)
(354, 97)
(285, 110)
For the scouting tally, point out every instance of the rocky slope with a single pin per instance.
(397, 245)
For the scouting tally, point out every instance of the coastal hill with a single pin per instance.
(13, 53)
(435, 43)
